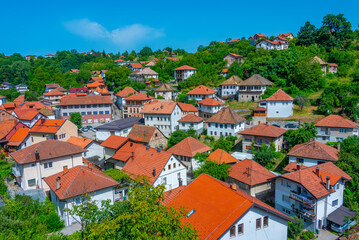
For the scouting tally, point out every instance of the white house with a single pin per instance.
(94, 150)
(269, 45)
(22, 88)
(44, 159)
(208, 107)
(191, 121)
(28, 117)
(143, 75)
(70, 186)
(119, 127)
(20, 140)
(121, 95)
(312, 153)
(311, 193)
(163, 115)
(218, 210)
(232, 57)
(134, 66)
(165, 90)
(226, 122)
(184, 72)
(230, 87)
(279, 105)
(2, 100)
(201, 92)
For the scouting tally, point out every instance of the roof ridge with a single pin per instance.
(78, 172)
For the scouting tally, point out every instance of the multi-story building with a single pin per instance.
(279, 105)
(187, 108)
(20, 140)
(21, 88)
(54, 96)
(184, 72)
(165, 90)
(143, 75)
(134, 66)
(253, 88)
(208, 107)
(51, 86)
(201, 92)
(288, 36)
(120, 127)
(191, 121)
(229, 88)
(269, 45)
(93, 108)
(334, 128)
(121, 95)
(232, 57)
(262, 134)
(27, 116)
(134, 104)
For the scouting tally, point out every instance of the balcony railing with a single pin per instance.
(306, 214)
(16, 172)
(302, 199)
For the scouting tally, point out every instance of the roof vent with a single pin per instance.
(147, 147)
(37, 156)
(131, 144)
(154, 172)
(191, 213)
(58, 184)
(159, 149)
(234, 186)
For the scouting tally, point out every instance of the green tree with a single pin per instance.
(303, 134)
(308, 74)
(225, 144)
(76, 119)
(295, 229)
(300, 100)
(264, 155)
(219, 171)
(176, 137)
(146, 52)
(307, 35)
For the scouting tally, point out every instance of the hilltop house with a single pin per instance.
(225, 122)
(54, 96)
(7, 129)
(165, 90)
(21, 88)
(134, 66)
(121, 95)
(229, 88)
(279, 105)
(253, 88)
(51, 86)
(119, 127)
(288, 36)
(232, 57)
(333, 67)
(270, 45)
(191, 121)
(208, 107)
(148, 136)
(184, 72)
(262, 134)
(258, 36)
(134, 104)
(143, 75)
(201, 92)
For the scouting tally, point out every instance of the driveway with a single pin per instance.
(71, 229)
(326, 235)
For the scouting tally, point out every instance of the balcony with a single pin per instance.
(307, 214)
(16, 172)
(302, 199)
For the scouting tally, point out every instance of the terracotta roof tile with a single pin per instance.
(279, 95)
(225, 71)
(26, 114)
(235, 55)
(85, 100)
(79, 180)
(165, 87)
(233, 80)
(186, 107)
(45, 111)
(125, 92)
(264, 129)
(139, 97)
(20, 98)
(19, 136)
(47, 125)
(191, 118)
(210, 102)
(185, 67)
(48, 149)
(125, 152)
(95, 84)
(53, 85)
(333, 64)
(145, 71)
(159, 107)
(136, 65)
(141, 133)
(171, 194)
(114, 142)
(293, 166)
(335, 121)
(314, 150)
(189, 147)
(226, 115)
(234, 40)
(201, 90)
(273, 42)
(54, 92)
(79, 141)
(78, 90)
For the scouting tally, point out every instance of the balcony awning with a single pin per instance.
(340, 215)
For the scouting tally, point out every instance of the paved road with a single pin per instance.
(326, 235)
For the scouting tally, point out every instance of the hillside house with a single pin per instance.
(270, 45)
(165, 90)
(119, 127)
(94, 152)
(143, 75)
(232, 57)
(54, 96)
(208, 107)
(134, 104)
(191, 121)
(253, 88)
(184, 72)
(121, 95)
(279, 105)
(229, 88)
(187, 108)
(201, 92)
(148, 136)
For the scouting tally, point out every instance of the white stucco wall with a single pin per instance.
(279, 109)
(209, 109)
(102, 135)
(195, 126)
(94, 150)
(198, 97)
(306, 161)
(227, 90)
(214, 129)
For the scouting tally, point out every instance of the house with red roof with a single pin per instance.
(27, 116)
(184, 72)
(218, 210)
(234, 40)
(191, 121)
(262, 134)
(187, 108)
(334, 128)
(208, 107)
(94, 153)
(312, 193)
(288, 36)
(51, 86)
(148, 136)
(69, 187)
(258, 36)
(19, 140)
(134, 66)
(201, 92)
(312, 153)
(270, 45)
(232, 57)
(7, 129)
(252, 178)
(124, 93)
(279, 105)
(134, 104)
(112, 144)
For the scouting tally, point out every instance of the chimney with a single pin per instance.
(131, 144)
(161, 106)
(266, 123)
(65, 169)
(90, 165)
(37, 156)
(234, 186)
(58, 185)
(154, 172)
(42, 121)
(317, 171)
(147, 147)
(328, 182)
(159, 149)
(248, 171)
(259, 122)
(298, 166)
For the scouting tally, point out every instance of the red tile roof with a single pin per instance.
(141, 133)
(54, 92)
(114, 142)
(125, 92)
(19, 136)
(6, 126)
(333, 64)
(26, 114)
(314, 150)
(186, 107)
(171, 194)
(315, 184)
(234, 40)
(265, 130)
(136, 65)
(335, 121)
(279, 95)
(216, 206)
(189, 147)
(48, 149)
(250, 172)
(225, 71)
(139, 97)
(293, 166)
(235, 55)
(125, 152)
(86, 100)
(20, 98)
(226, 116)
(79, 141)
(79, 180)
(185, 67)
(220, 156)
(273, 42)
(210, 102)
(191, 118)
(95, 84)
(47, 125)
(159, 107)
(201, 90)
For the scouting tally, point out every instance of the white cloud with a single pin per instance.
(127, 36)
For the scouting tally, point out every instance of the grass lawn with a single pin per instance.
(242, 105)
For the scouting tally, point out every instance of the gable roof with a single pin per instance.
(210, 102)
(141, 133)
(186, 107)
(233, 80)
(26, 114)
(235, 55)
(121, 124)
(159, 107)
(234, 40)
(279, 95)
(114, 142)
(189, 147)
(136, 65)
(201, 90)
(216, 207)
(319, 60)
(256, 80)
(48, 149)
(314, 150)
(125, 92)
(226, 115)
(185, 67)
(335, 121)
(47, 125)
(191, 118)
(273, 42)
(250, 172)
(165, 87)
(46, 111)
(54, 92)
(125, 151)
(145, 71)
(18, 137)
(220, 156)
(79, 180)
(79, 141)
(316, 184)
(6, 126)
(139, 97)
(265, 130)
(293, 166)
(20, 98)
(54, 85)
(85, 100)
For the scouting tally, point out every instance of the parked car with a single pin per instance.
(85, 129)
(275, 125)
(336, 228)
(291, 125)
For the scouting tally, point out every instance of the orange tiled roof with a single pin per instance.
(279, 95)
(114, 142)
(189, 147)
(139, 97)
(186, 107)
(235, 55)
(210, 102)
(125, 152)
(314, 150)
(141, 133)
(125, 92)
(191, 118)
(185, 67)
(250, 172)
(95, 84)
(159, 107)
(335, 121)
(47, 126)
(225, 71)
(292, 166)
(26, 114)
(85, 100)
(234, 40)
(6, 126)
(48, 149)
(19, 136)
(201, 90)
(226, 116)
(79, 180)
(79, 141)
(265, 130)
(285, 34)
(171, 194)
(54, 92)
(333, 64)
(273, 42)
(136, 65)
(217, 207)
(220, 156)
(20, 99)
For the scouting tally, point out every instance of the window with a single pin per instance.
(265, 221)
(164, 181)
(337, 186)
(48, 165)
(285, 198)
(335, 203)
(88, 113)
(101, 112)
(300, 160)
(95, 113)
(33, 164)
(342, 130)
(169, 167)
(209, 125)
(174, 165)
(240, 228)
(183, 124)
(107, 112)
(211, 134)
(64, 114)
(258, 223)
(232, 232)
(31, 182)
(83, 113)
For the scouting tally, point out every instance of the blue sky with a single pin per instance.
(42, 27)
